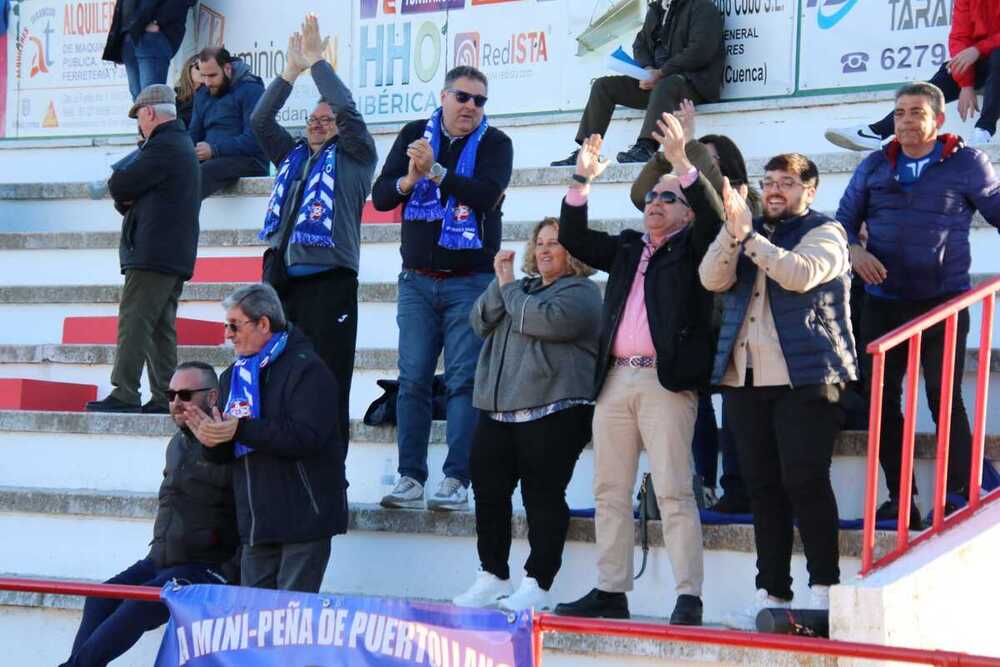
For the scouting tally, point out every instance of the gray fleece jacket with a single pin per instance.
(540, 342)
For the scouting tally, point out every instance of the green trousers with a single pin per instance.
(610, 91)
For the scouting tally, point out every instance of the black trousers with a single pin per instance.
(293, 566)
(325, 306)
(881, 316)
(987, 80)
(220, 172)
(785, 439)
(542, 455)
(610, 91)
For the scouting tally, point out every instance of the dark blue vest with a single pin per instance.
(814, 327)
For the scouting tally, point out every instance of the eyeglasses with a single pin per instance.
(233, 327)
(667, 197)
(463, 97)
(785, 184)
(325, 121)
(184, 394)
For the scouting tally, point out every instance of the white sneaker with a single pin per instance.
(407, 494)
(485, 591)
(451, 496)
(529, 595)
(746, 619)
(819, 598)
(980, 136)
(855, 138)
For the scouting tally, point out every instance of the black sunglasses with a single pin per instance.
(184, 394)
(463, 97)
(667, 197)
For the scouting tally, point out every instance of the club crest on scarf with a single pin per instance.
(244, 384)
(314, 223)
(459, 223)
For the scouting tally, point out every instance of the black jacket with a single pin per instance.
(196, 518)
(170, 15)
(689, 43)
(483, 192)
(158, 188)
(292, 487)
(679, 309)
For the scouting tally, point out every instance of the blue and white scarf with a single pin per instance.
(459, 224)
(244, 384)
(314, 225)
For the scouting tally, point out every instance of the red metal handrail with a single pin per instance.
(912, 333)
(551, 623)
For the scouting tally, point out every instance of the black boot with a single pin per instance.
(687, 611)
(596, 604)
(890, 510)
(111, 404)
(641, 152)
(567, 162)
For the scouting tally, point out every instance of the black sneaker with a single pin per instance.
(687, 611)
(596, 604)
(731, 504)
(889, 510)
(567, 162)
(151, 408)
(111, 404)
(637, 153)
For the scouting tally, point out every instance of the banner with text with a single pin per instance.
(760, 39)
(227, 626)
(848, 43)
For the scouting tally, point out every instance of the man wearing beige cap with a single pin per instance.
(158, 190)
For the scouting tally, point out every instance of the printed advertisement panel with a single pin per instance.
(847, 43)
(760, 38)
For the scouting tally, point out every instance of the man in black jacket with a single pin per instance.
(313, 220)
(274, 427)
(195, 539)
(157, 189)
(144, 36)
(681, 47)
(655, 352)
(450, 172)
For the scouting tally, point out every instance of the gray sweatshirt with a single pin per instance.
(540, 342)
(356, 160)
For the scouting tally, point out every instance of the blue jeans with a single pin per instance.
(110, 627)
(708, 441)
(433, 314)
(146, 63)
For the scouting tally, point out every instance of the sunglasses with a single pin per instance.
(184, 394)
(233, 327)
(667, 197)
(463, 97)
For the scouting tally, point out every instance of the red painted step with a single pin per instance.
(369, 216)
(227, 270)
(18, 394)
(104, 331)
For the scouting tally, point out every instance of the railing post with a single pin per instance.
(944, 419)
(982, 391)
(874, 438)
(536, 640)
(909, 437)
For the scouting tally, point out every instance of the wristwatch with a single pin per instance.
(438, 172)
(581, 179)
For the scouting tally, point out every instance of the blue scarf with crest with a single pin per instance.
(244, 384)
(459, 223)
(314, 224)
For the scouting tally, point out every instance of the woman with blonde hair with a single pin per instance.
(534, 384)
(188, 83)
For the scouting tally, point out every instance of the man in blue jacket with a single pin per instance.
(220, 124)
(917, 196)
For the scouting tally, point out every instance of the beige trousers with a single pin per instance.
(635, 411)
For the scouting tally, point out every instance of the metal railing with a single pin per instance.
(911, 333)
(543, 623)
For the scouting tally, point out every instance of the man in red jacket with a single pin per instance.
(974, 45)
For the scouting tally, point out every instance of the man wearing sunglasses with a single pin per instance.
(786, 352)
(655, 352)
(450, 173)
(313, 219)
(195, 538)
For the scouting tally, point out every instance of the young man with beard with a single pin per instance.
(313, 219)
(450, 173)
(785, 353)
(195, 539)
(220, 124)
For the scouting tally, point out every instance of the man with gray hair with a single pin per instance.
(273, 425)
(158, 189)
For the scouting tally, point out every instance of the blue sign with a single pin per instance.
(228, 626)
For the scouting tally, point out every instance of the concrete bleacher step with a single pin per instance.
(440, 546)
(104, 331)
(31, 394)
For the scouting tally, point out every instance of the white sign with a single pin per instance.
(849, 43)
(760, 38)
